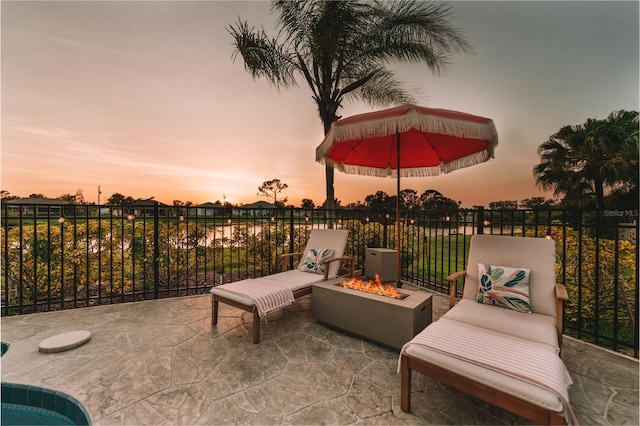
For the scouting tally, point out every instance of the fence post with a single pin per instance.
(291, 224)
(156, 250)
(480, 221)
(5, 258)
(385, 233)
(291, 237)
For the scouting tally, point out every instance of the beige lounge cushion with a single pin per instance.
(534, 327)
(220, 291)
(486, 376)
(502, 382)
(293, 280)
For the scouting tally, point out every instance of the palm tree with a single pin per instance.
(590, 158)
(342, 48)
(621, 132)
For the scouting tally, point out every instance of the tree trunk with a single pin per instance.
(328, 115)
(330, 201)
(599, 190)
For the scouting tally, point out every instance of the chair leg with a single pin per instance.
(557, 419)
(256, 326)
(405, 385)
(214, 310)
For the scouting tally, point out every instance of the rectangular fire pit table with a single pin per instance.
(381, 319)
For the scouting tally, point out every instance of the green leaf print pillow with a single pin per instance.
(504, 286)
(315, 260)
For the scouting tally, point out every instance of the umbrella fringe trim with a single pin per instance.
(442, 168)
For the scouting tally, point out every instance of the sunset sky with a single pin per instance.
(143, 98)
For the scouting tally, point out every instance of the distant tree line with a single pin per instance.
(409, 200)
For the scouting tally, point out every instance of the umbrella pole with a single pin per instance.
(398, 236)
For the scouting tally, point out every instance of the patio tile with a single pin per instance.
(121, 379)
(325, 412)
(232, 410)
(220, 383)
(320, 380)
(180, 405)
(290, 396)
(161, 362)
(367, 399)
(183, 404)
(618, 415)
(257, 364)
(446, 406)
(194, 359)
(303, 347)
(383, 374)
(619, 369)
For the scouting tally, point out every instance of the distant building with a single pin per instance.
(259, 208)
(37, 206)
(140, 208)
(208, 208)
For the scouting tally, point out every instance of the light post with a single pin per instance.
(548, 235)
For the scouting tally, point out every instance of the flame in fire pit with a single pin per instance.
(373, 286)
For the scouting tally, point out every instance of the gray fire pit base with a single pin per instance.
(384, 320)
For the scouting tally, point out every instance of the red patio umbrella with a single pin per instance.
(407, 140)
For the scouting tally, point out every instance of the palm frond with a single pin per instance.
(414, 32)
(263, 56)
(383, 88)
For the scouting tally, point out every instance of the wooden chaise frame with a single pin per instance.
(216, 299)
(500, 399)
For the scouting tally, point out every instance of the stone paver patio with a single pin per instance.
(160, 362)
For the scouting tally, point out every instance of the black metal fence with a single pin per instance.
(66, 256)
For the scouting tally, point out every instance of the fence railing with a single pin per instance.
(69, 256)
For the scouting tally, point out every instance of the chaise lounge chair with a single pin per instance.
(501, 342)
(319, 261)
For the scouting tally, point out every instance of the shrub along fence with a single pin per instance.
(63, 257)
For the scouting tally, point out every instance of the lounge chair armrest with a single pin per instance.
(287, 256)
(561, 296)
(456, 275)
(453, 278)
(561, 292)
(348, 258)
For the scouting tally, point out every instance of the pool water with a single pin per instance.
(15, 414)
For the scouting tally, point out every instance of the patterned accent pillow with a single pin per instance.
(315, 260)
(504, 286)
